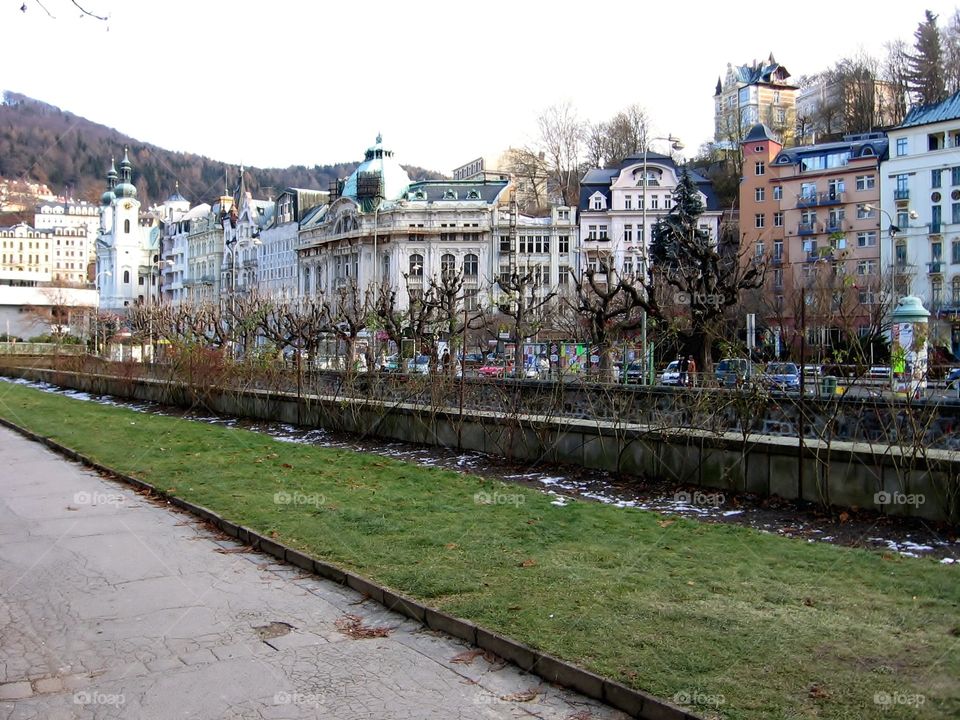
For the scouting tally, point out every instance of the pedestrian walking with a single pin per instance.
(691, 371)
(682, 367)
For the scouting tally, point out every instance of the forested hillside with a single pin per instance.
(42, 143)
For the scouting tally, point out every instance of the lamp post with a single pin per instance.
(892, 231)
(155, 268)
(675, 144)
(96, 319)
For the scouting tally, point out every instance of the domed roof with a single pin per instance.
(395, 180)
(107, 198)
(125, 190)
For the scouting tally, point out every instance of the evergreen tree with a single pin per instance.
(926, 71)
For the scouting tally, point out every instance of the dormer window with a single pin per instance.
(419, 195)
(473, 195)
(598, 202)
(449, 195)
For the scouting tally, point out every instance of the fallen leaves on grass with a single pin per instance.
(818, 691)
(529, 562)
(665, 523)
(354, 627)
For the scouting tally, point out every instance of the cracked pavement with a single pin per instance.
(117, 606)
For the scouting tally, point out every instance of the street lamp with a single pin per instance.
(155, 268)
(892, 230)
(675, 144)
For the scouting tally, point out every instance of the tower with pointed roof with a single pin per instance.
(760, 92)
(127, 246)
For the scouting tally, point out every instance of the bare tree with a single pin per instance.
(896, 72)
(561, 138)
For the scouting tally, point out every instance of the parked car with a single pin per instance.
(471, 360)
(953, 377)
(879, 372)
(632, 374)
(732, 371)
(782, 376)
(493, 368)
(671, 374)
(390, 364)
(419, 365)
(527, 371)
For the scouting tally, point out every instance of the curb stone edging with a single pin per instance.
(635, 703)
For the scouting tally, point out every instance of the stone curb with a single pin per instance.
(551, 669)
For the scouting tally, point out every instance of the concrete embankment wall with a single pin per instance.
(843, 474)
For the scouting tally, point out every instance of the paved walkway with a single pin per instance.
(113, 606)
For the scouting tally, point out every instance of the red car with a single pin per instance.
(494, 368)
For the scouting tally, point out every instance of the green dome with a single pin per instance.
(394, 179)
(107, 198)
(125, 190)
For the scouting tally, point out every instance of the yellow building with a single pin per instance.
(752, 94)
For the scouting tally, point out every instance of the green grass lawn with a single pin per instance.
(750, 625)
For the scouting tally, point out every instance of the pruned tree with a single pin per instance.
(346, 312)
(445, 303)
(525, 299)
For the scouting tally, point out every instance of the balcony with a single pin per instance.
(776, 261)
(807, 228)
(904, 268)
(901, 194)
(807, 201)
(834, 225)
(935, 267)
(832, 197)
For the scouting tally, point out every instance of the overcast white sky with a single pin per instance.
(279, 82)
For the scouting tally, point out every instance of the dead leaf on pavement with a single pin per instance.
(522, 696)
(466, 657)
(354, 627)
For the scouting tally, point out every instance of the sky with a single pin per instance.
(286, 82)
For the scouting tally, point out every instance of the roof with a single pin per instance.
(948, 109)
(759, 132)
(486, 191)
(600, 179)
(377, 159)
(769, 73)
(858, 148)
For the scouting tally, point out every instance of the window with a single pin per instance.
(835, 188)
(628, 233)
(759, 168)
(591, 232)
(955, 290)
(470, 299)
(955, 213)
(597, 203)
(936, 178)
(504, 243)
(448, 265)
(808, 191)
(778, 219)
(867, 239)
(936, 251)
(955, 176)
(778, 250)
(758, 194)
(603, 233)
(563, 243)
(863, 213)
(628, 202)
(126, 277)
(471, 265)
(758, 220)
(778, 278)
(955, 252)
(126, 226)
(654, 202)
(866, 182)
(901, 146)
(563, 275)
(867, 267)
(936, 218)
(667, 202)
(416, 265)
(936, 291)
(778, 192)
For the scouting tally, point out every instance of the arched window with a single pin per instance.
(126, 277)
(126, 226)
(955, 289)
(448, 265)
(471, 266)
(416, 265)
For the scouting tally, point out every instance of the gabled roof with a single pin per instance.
(948, 109)
(600, 179)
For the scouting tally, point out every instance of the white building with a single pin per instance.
(177, 222)
(618, 212)
(385, 228)
(71, 256)
(26, 312)
(922, 179)
(128, 245)
(277, 253)
(25, 256)
(242, 226)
